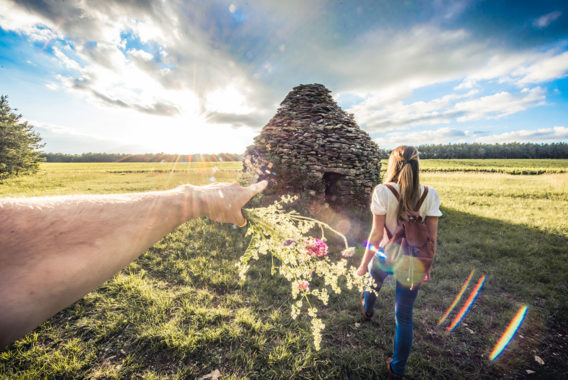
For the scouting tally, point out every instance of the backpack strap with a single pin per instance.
(393, 191)
(397, 195)
(421, 200)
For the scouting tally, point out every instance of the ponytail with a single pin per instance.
(403, 168)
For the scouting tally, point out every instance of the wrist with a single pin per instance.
(193, 201)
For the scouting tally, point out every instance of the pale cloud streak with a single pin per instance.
(544, 70)
(435, 136)
(499, 105)
(453, 136)
(446, 109)
(545, 20)
(542, 135)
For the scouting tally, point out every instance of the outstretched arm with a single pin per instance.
(375, 238)
(53, 250)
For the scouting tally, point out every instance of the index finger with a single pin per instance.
(257, 187)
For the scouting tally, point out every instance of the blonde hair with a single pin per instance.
(403, 167)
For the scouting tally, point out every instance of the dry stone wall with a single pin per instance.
(312, 147)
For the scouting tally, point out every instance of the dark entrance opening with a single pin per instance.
(332, 183)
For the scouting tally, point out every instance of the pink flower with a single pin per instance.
(316, 247)
(303, 285)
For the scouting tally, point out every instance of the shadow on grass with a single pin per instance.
(179, 311)
(524, 266)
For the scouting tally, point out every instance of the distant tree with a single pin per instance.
(19, 143)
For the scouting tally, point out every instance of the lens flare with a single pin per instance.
(381, 258)
(408, 271)
(467, 306)
(509, 333)
(457, 299)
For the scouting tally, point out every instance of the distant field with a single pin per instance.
(179, 312)
(514, 166)
(117, 177)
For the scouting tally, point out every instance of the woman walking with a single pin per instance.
(399, 194)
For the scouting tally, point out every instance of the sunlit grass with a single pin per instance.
(179, 312)
(99, 178)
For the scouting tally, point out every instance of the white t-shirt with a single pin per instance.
(384, 202)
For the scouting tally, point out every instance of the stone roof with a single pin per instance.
(312, 146)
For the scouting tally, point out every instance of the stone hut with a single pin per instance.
(314, 148)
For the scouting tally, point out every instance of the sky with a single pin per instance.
(138, 76)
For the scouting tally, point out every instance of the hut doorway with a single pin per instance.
(332, 185)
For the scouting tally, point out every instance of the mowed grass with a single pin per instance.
(179, 312)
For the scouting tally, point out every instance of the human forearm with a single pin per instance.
(373, 242)
(56, 249)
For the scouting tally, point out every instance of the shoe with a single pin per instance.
(392, 375)
(366, 315)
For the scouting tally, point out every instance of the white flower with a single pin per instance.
(348, 252)
(285, 236)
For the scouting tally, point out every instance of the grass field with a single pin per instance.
(97, 178)
(179, 312)
(516, 166)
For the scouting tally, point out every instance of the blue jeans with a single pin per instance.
(404, 304)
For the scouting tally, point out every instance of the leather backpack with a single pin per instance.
(411, 239)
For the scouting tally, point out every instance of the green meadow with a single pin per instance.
(179, 312)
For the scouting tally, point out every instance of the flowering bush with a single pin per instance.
(299, 258)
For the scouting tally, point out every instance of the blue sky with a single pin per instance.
(206, 76)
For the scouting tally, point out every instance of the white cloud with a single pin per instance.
(186, 58)
(52, 86)
(379, 59)
(543, 135)
(519, 68)
(65, 60)
(499, 105)
(544, 70)
(452, 136)
(466, 84)
(435, 136)
(545, 20)
(140, 54)
(195, 67)
(16, 18)
(446, 109)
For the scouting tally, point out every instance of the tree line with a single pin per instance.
(476, 150)
(441, 151)
(145, 157)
